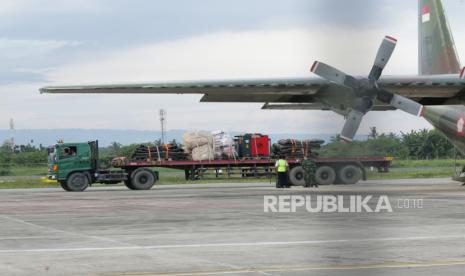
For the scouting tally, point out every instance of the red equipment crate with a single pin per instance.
(260, 145)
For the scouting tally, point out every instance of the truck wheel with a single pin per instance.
(143, 179)
(296, 176)
(325, 175)
(77, 182)
(350, 174)
(129, 184)
(64, 186)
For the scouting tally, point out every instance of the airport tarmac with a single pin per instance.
(220, 229)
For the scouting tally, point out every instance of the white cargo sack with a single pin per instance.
(196, 139)
(203, 153)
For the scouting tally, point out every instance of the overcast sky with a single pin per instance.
(44, 42)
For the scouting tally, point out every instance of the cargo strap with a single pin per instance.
(307, 147)
(167, 151)
(150, 153)
(158, 153)
(293, 146)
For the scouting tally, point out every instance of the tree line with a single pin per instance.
(21, 156)
(417, 144)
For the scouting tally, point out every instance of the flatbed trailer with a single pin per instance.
(329, 170)
(75, 166)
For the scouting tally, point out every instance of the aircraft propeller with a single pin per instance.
(366, 90)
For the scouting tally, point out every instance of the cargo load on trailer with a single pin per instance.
(224, 146)
(203, 145)
(252, 145)
(220, 145)
(199, 145)
(299, 149)
(202, 153)
(164, 152)
(195, 139)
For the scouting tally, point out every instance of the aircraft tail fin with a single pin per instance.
(437, 52)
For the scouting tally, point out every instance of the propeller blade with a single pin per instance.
(332, 74)
(382, 58)
(354, 119)
(400, 102)
(407, 105)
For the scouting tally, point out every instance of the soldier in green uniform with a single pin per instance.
(309, 167)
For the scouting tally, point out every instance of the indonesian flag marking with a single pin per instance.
(426, 14)
(460, 127)
(421, 113)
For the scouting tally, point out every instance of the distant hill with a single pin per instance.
(48, 137)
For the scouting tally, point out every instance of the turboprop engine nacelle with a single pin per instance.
(450, 120)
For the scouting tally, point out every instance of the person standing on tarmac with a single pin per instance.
(309, 167)
(282, 167)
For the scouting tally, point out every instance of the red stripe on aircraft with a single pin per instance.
(461, 126)
(422, 111)
(425, 10)
(391, 39)
(314, 66)
(462, 73)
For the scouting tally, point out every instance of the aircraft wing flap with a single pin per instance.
(256, 98)
(314, 106)
(437, 86)
(295, 106)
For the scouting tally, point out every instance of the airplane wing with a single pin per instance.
(262, 87)
(304, 93)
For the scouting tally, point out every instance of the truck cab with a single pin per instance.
(73, 165)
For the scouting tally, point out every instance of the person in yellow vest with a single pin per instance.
(282, 167)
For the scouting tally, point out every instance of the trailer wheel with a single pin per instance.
(325, 175)
(350, 174)
(296, 176)
(142, 179)
(77, 182)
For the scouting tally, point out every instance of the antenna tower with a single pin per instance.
(12, 133)
(163, 125)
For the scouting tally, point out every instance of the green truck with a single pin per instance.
(76, 167)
